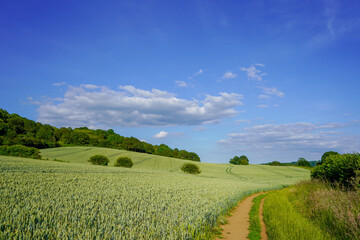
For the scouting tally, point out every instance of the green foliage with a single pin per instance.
(254, 220)
(303, 162)
(99, 160)
(284, 222)
(124, 162)
(339, 168)
(335, 211)
(325, 155)
(242, 160)
(15, 130)
(190, 168)
(275, 163)
(20, 151)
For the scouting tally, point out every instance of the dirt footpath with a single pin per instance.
(237, 228)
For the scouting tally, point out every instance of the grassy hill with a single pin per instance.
(154, 163)
(153, 200)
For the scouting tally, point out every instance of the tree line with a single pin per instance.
(17, 130)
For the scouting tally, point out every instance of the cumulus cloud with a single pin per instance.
(99, 106)
(229, 75)
(293, 139)
(161, 134)
(181, 83)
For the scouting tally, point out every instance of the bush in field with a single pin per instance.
(191, 168)
(339, 168)
(20, 151)
(99, 160)
(275, 163)
(124, 162)
(303, 162)
(242, 160)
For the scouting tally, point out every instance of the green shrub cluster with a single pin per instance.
(242, 160)
(20, 151)
(124, 162)
(99, 160)
(191, 168)
(342, 169)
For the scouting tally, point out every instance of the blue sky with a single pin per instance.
(274, 80)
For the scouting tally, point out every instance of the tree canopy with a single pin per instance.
(242, 160)
(16, 130)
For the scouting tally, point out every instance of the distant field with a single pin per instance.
(153, 200)
(253, 173)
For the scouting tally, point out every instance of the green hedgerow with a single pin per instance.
(124, 162)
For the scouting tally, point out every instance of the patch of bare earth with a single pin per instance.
(263, 227)
(238, 222)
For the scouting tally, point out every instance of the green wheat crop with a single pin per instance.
(59, 200)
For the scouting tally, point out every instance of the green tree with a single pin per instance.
(339, 168)
(275, 163)
(242, 160)
(124, 162)
(99, 160)
(325, 155)
(163, 150)
(190, 168)
(303, 162)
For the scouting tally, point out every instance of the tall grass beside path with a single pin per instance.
(334, 210)
(284, 222)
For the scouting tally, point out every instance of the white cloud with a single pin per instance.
(273, 91)
(198, 72)
(59, 84)
(161, 134)
(262, 106)
(91, 105)
(253, 73)
(262, 96)
(181, 83)
(229, 75)
(293, 139)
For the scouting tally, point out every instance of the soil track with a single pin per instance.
(263, 227)
(238, 222)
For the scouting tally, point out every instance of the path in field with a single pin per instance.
(238, 222)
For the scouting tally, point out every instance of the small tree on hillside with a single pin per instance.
(303, 162)
(99, 160)
(190, 168)
(124, 162)
(275, 163)
(242, 160)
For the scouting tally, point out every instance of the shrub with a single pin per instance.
(191, 168)
(303, 162)
(124, 162)
(275, 163)
(339, 168)
(325, 155)
(242, 160)
(20, 151)
(99, 160)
